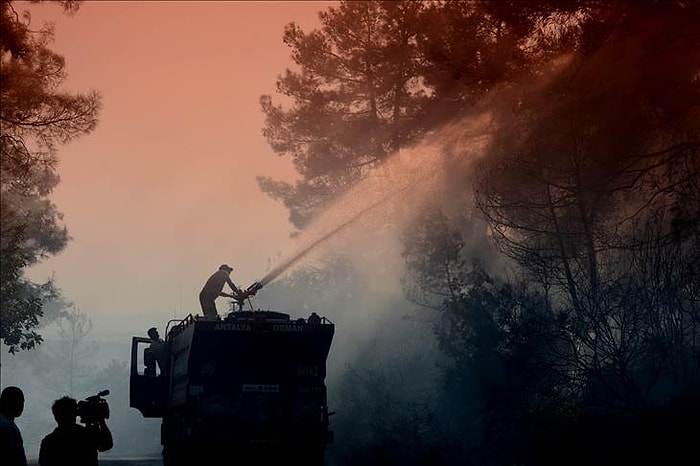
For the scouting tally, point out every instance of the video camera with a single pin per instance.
(94, 408)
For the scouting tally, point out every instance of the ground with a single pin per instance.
(121, 462)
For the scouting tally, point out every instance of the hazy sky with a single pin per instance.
(164, 190)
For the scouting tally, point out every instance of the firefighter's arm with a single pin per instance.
(235, 289)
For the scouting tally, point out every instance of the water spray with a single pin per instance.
(431, 151)
(277, 271)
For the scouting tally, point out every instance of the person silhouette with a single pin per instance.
(11, 443)
(213, 288)
(71, 443)
(155, 353)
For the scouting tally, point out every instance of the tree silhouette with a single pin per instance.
(36, 117)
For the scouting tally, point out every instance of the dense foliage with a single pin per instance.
(559, 260)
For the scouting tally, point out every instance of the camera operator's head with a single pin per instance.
(65, 411)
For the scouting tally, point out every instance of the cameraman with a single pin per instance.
(71, 443)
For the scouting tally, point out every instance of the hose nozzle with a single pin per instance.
(252, 289)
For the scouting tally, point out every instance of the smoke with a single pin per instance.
(381, 339)
(378, 331)
(368, 218)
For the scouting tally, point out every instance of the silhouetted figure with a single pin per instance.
(213, 288)
(155, 353)
(71, 443)
(314, 319)
(11, 444)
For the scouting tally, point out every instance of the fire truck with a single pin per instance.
(248, 388)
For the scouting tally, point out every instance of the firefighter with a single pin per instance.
(155, 353)
(213, 288)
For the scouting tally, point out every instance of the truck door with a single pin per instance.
(147, 386)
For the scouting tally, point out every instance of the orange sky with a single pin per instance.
(164, 190)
